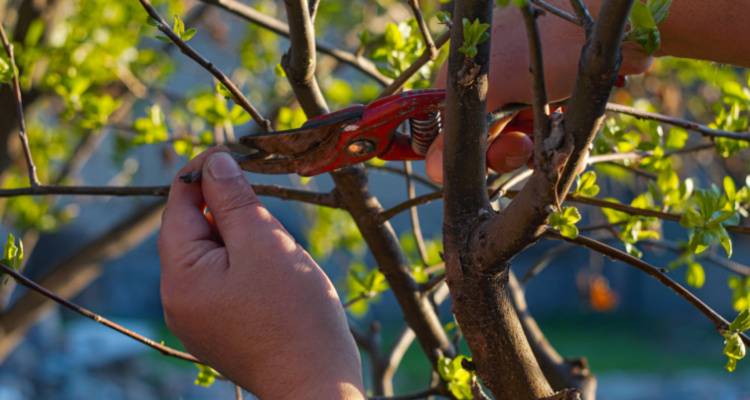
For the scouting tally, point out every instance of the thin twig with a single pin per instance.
(166, 350)
(711, 257)
(322, 199)
(279, 27)
(426, 36)
(514, 180)
(667, 216)
(237, 392)
(414, 215)
(432, 284)
(682, 123)
(237, 95)
(392, 362)
(416, 177)
(313, 7)
(543, 262)
(658, 273)
(356, 299)
(419, 200)
(539, 89)
(555, 11)
(30, 166)
(423, 59)
(584, 17)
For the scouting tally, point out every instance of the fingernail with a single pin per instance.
(222, 166)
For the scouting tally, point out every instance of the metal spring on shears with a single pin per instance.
(424, 129)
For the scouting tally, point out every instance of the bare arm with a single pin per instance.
(715, 30)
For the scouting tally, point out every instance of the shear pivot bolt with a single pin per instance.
(360, 148)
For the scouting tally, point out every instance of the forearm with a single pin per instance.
(715, 30)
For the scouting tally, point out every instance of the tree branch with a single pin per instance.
(658, 273)
(299, 62)
(682, 123)
(30, 167)
(74, 273)
(523, 221)
(414, 215)
(166, 350)
(351, 188)
(539, 100)
(584, 18)
(321, 199)
(729, 265)
(478, 285)
(279, 27)
(237, 95)
(423, 28)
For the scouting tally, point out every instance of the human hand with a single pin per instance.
(244, 297)
(511, 82)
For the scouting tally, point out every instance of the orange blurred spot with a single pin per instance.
(601, 296)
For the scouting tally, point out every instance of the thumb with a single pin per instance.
(237, 211)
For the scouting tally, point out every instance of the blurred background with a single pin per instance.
(641, 341)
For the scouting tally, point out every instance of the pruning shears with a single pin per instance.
(352, 135)
(359, 133)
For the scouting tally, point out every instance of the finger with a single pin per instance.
(434, 160)
(240, 217)
(183, 221)
(510, 151)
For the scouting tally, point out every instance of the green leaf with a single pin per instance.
(393, 36)
(643, 28)
(178, 27)
(729, 187)
(725, 240)
(475, 33)
(659, 9)
(206, 376)
(13, 253)
(741, 323)
(458, 379)
(565, 222)
(279, 71)
(222, 90)
(6, 71)
(444, 17)
(676, 138)
(734, 349)
(189, 34)
(586, 185)
(695, 276)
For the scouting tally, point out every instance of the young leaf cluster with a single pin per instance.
(206, 376)
(178, 27)
(397, 49)
(475, 33)
(12, 253)
(644, 20)
(734, 347)
(565, 220)
(459, 379)
(365, 284)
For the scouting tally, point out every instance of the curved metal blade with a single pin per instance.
(293, 151)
